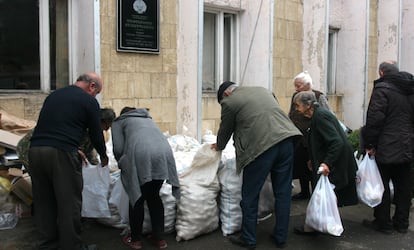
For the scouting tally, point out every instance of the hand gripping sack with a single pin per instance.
(369, 183)
(322, 213)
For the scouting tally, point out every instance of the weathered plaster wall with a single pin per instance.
(351, 59)
(314, 30)
(187, 66)
(407, 39)
(255, 44)
(388, 30)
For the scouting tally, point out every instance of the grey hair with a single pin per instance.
(306, 98)
(389, 67)
(87, 78)
(304, 77)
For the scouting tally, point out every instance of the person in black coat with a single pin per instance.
(330, 150)
(389, 135)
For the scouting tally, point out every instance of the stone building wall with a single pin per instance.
(141, 80)
(287, 48)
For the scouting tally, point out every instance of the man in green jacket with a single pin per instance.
(263, 139)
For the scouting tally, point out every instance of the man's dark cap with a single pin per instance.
(223, 88)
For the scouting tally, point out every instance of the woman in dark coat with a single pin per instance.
(329, 149)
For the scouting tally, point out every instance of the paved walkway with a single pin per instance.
(355, 236)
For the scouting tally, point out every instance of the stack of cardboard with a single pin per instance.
(8, 154)
(21, 185)
(12, 130)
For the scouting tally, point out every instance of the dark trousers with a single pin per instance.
(151, 194)
(277, 161)
(400, 175)
(300, 168)
(57, 197)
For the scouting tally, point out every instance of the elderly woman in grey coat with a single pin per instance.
(146, 161)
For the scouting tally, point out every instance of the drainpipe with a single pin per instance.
(326, 49)
(271, 17)
(400, 13)
(97, 41)
(365, 103)
(199, 68)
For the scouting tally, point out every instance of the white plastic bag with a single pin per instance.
(369, 183)
(96, 182)
(322, 213)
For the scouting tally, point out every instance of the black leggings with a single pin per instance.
(151, 193)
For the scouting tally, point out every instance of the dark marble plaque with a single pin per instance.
(138, 26)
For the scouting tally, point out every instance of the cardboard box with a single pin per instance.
(22, 188)
(8, 139)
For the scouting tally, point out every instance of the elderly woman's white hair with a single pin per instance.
(304, 77)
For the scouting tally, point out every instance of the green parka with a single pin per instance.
(256, 121)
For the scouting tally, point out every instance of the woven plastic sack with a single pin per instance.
(197, 211)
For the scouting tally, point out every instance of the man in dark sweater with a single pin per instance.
(66, 116)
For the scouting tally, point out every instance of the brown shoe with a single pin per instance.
(132, 244)
(161, 244)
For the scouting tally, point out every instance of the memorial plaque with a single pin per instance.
(138, 26)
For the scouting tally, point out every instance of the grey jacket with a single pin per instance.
(143, 153)
(256, 121)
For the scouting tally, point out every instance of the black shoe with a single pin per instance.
(300, 196)
(301, 231)
(376, 226)
(89, 247)
(401, 230)
(278, 244)
(238, 240)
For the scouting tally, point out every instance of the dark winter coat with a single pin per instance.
(390, 119)
(328, 144)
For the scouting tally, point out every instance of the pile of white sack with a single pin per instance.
(209, 186)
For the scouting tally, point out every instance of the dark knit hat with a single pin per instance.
(223, 88)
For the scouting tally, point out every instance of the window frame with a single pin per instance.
(44, 50)
(220, 15)
(331, 61)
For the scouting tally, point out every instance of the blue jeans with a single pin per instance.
(278, 161)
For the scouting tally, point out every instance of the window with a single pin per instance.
(219, 49)
(331, 69)
(33, 41)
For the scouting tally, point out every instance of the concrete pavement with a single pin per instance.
(355, 236)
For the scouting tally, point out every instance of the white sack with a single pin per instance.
(197, 211)
(230, 197)
(96, 182)
(118, 203)
(170, 210)
(266, 199)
